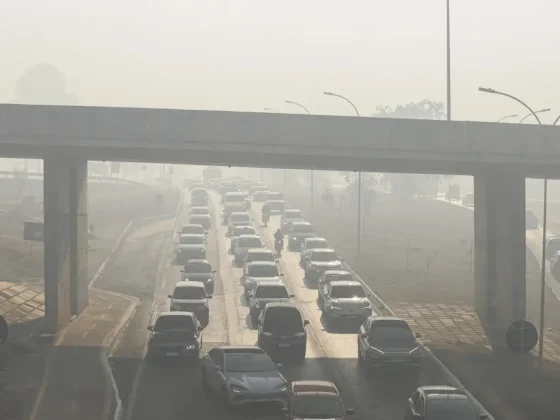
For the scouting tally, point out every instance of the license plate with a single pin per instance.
(172, 354)
(352, 317)
(397, 360)
(284, 345)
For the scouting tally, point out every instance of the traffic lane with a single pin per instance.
(385, 395)
(171, 389)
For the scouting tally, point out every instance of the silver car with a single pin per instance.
(344, 300)
(258, 271)
(244, 244)
(237, 232)
(191, 247)
(243, 375)
(238, 219)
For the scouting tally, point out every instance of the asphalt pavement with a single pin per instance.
(173, 390)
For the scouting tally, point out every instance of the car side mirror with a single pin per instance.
(350, 411)
(170, 296)
(364, 335)
(279, 365)
(483, 416)
(284, 410)
(150, 328)
(292, 296)
(306, 322)
(209, 297)
(214, 271)
(282, 274)
(200, 328)
(417, 335)
(342, 259)
(250, 293)
(219, 368)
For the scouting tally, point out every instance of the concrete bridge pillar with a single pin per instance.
(500, 251)
(66, 239)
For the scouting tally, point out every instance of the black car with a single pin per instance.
(199, 197)
(263, 293)
(175, 334)
(275, 206)
(388, 342)
(282, 331)
(200, 270)
(442, 402)
(191, 296)
(201, 219)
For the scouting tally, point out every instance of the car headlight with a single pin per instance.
(300, 334)
(237, 388)
(190, 347)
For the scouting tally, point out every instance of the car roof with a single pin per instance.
(391, 319)
(275, 201)
(321, 393)
(192, 235)
(243, 227)
(287, 210)
(438, 392)
(336, 272)
(268, 283)
(189, 285)
(192, 225)
(259, 250)
(199, 207)
(345, 283)
(314, 238)
(314, 386)
(240, 348)
(233, 192)
(198, 261)
(300, 222)
(252, 263)
(238, 213)
(249, 236)
(282, 305)
(319, 250)
(169, 314)
(198, 216)
(199, 189)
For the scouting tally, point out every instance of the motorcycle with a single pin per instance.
(279, 246)
(265, 219)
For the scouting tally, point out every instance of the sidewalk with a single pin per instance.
(77, 383)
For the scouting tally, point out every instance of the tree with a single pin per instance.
(411, 184)
(44, 84)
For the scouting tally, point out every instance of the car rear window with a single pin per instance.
(272, 292)
(198, 267)
(302, 228)
(347, 292)
(243, 230)
(391, 336)
(324, 256)
(284, 321)
(240, 218)
(450, 408)
(174, 323)
(263, 271)
(249, 243)
(338, 277)
(191, 240)
(292, 214)
(189, 293)
(260, 256)
(316, 243)
(192, 229)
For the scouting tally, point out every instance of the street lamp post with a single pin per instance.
(508, 116)
(448, 65)
(536, 112)
(545, 204)
(311, 172)
(359, 227)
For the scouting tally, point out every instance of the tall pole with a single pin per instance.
(448, 65)
(508, 116)
(311, 174)
(536, 112)
(545, 204)
(359, 225)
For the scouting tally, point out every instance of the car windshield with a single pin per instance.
(391, 336)
(248, 362)
(174, 323)
(198, 267)
(249, 243)
(324, 256)
(240, 218)
(317, 406)
(274, 196)
(271, 292)
(302, 228)
(243, 230)
(200, 210)
(192, 229)
(450, 408)
(316, 243)
(263, 271)
(338, 277)
(347, 292)
(283, 321)
(260, 256)
(189, 293)
(192, 240)
(292, 214)
(234, 198)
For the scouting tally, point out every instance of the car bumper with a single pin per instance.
(394, 362)
(242, 398)
(272, 344)
(349, 314)
(172, 351)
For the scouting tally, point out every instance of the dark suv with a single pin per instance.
(282, 331)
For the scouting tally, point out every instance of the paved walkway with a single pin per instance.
(21, 302)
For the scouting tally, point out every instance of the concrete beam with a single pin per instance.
(65, 218)
(500, 251)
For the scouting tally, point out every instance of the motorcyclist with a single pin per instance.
(265, 214)
(278, 241)
(278, 235)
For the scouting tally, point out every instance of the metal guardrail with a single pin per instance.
(39, 175)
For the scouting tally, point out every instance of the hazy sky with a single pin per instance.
(250, 54)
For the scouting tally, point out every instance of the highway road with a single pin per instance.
(174, 391)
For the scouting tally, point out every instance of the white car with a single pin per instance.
(238, 219)
(244, 244)
(289, 216)
(243, 375)
(259, 271)
(344, 300)
(310, 244)
(237, 232)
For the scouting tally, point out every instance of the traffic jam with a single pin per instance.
(244, 375)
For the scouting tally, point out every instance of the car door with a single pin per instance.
(215, 373)
(413, 403)
(363, 343)
(322, 286)
(326, 295)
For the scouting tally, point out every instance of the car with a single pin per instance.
(260, 271)
(334, 275)
(320, 260)
(228, 188)
(552, 246)
(244, 243)
(192, 230)
(199, 270)
(275, 206)
(260, 196)
(243, 375)
(281, 330)
(344, 300)
(200, 210)
(531, 220)
(289, 216)
(258, 188)
(259, 254)
(298, 232)
(201, 219)
(264, 292)
(237, 232)
(388, 342)
(308, 244)
(190, 296)
(437, 402)
(238, 219)
(468, 200)
(275, 196)
(175, 334)
(199, 197)
(315, 400)
(191, 246)
(195, 184)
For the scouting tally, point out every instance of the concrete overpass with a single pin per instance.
(499, 156)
